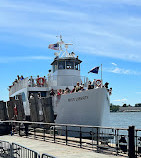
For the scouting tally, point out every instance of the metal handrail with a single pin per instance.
(71, 125)
(5, 149)
(23, 150)
(11, 152)
(106, 139)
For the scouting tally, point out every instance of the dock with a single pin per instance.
(57, 150)
(68, 140)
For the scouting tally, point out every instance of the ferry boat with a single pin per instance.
(85, 107)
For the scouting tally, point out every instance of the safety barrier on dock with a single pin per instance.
(116, 141)
(14, 150)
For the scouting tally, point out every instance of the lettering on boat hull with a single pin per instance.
(77, 99)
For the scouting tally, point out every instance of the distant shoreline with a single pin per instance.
(125, 109)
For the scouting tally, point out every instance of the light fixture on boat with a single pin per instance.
(72, 54)
(56, 54)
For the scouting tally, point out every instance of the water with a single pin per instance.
(125, 119)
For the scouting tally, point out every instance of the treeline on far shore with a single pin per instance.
(125, 107)
(114, 108)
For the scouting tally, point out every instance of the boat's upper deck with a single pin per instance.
(45, 82)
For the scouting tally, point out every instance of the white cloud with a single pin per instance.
(121, 71)
(23, 58)
(103, 52)
(114, 64)
(118, 70)
(120, 100)
(101, 34)
(117, 37)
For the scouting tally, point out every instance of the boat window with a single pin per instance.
(61, 65)
(23, 97)
(54, 66)
(69, 64)
(42, 93)
(77, 66)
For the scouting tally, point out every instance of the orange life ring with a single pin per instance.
(41, 81)
(98, 83)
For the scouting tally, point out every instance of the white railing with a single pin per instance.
(62, 80)
(27, 82)
(18, 85)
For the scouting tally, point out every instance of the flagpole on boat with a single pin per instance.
(101, 76)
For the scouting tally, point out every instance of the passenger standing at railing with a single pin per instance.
(18, 77)
(38, 85)
(49, 77)
(77, 87)
(59, 92)
(45, 82)
(89, 85)
(16, 81)
(106, 85)
(31, 82)
(31, 96)
(82, 88)
(63, 91)
(110, 91)
(74, 89)
(39, 95)
(9, 88)
(22, 77)
(15, 112)
(67, 90)
(94, 83)
(52, 93)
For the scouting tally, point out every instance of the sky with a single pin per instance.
(103, 32)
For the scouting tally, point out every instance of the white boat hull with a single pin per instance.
(90, 107)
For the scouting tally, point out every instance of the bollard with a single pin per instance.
(34, 132)
(54, 133)
(80, 137)
(19, 129)
(97, 138)
(44, 134)
(66, 136)
(131, 137)
(26, 129)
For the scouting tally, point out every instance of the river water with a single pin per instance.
(125, 119)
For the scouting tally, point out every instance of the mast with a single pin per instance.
(101, 76)
(61, 44)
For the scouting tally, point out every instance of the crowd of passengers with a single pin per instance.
(79, 88)
(35, 82)
(31, 81)
(19, 78)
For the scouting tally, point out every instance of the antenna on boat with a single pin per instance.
(64, 53)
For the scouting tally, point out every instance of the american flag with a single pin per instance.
(54, 46)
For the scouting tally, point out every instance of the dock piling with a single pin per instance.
(131, 132)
